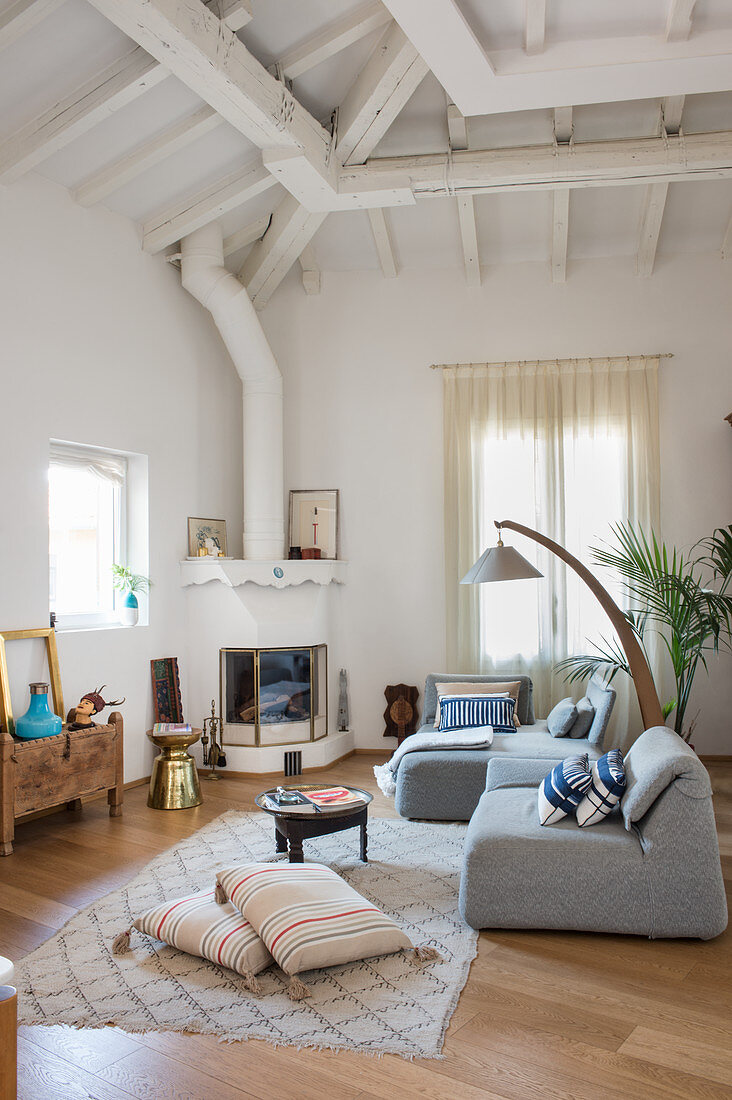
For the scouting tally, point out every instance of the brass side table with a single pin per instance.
(174, 781)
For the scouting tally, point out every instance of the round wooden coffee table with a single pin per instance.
(293, 826)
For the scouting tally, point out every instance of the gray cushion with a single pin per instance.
(525, 709)
(584, 719)
(602, 696)
(561, 718)
(654, 761)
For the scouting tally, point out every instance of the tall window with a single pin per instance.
(568, 448)
(87, 500)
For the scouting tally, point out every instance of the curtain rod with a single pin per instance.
(535, 362)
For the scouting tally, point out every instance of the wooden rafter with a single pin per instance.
(672, 108)
(380, 90)
(383, 243)
(205, 206)
(132, 164)
(332, 39)
(21, 17)
(248, 234)
(210, 60)
(629, 161)
(457, 127)
(291, 230)
(120, 83)
(310, 270)
(535, 26)
(651, 219)
(678, 24)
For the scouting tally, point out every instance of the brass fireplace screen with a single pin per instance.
(274, 696)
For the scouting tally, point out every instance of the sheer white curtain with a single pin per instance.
(567, 447)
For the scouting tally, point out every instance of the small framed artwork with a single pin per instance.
(314, 522)
(206, 537)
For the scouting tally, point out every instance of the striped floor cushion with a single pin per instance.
(605, 790)
(200, 926)
(562, 790)
(308, 916)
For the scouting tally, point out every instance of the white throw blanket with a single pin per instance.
(480, 737)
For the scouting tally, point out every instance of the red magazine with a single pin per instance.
(334, 796)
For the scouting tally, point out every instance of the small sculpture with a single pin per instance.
(89, 704)
(343, 700)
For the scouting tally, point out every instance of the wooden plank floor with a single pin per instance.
(548, 1016)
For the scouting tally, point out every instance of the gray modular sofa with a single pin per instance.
(447, 785)
(652, 869)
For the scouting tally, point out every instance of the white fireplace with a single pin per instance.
(278, 622)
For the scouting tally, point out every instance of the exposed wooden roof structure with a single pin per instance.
(365, 134)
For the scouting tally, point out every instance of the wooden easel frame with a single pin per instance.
(54, 672)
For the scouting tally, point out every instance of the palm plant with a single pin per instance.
(681, 600)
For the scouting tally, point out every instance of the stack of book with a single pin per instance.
(171, 727)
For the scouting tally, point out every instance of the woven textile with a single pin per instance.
(308, 916)
(381, 1005)
(198, 925)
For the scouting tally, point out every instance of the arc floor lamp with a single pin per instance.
(504, 563)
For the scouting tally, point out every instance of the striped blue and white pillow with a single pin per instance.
(562, 790)
(605, 790)
(459, 712)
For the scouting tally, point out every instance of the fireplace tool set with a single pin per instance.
(213, 754)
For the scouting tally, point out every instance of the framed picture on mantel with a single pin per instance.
(314, 522)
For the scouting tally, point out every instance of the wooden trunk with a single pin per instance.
(53, 771)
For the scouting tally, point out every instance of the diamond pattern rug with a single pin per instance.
(380, 1005)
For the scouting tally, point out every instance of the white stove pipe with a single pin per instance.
(204, 276)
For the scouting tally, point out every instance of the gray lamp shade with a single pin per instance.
(500, 563)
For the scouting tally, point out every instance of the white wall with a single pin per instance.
(364, 414)
(99, 344)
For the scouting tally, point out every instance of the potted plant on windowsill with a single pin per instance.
(129, 583)
(684, 600)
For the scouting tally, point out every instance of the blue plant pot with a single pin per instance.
(130, 610)
(38, 720)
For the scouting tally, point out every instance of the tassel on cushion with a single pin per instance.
(251, 983)
(220, 894)
(121, 943)
(297, 990)
(421, 955)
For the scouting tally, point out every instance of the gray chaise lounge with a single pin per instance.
(660, 878)
(446, 786)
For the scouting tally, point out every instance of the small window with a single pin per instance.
(87, 532)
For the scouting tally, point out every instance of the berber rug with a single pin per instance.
(380, 1005)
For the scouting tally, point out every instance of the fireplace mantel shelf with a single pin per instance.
(274, 574)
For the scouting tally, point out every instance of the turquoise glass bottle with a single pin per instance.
(39, 720)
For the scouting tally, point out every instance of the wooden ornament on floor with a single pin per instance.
(401, 712)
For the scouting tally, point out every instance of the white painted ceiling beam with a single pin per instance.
(651, 219)
(594, 71)
(678, 24)
(383, 243)
(291, 230)
(563, 125)
(589, 164)
(248, 234)
(117, 85)
(234, 13)
(210, 60)
(379, 92)
(560, 234)
(22, 16)
(310, 270)
(457, 126)
(442, 36)
(191, 213)
(535, 26)
(157, 149)
(332, 39)
(672, 108)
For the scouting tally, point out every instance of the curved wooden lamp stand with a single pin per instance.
(643, 682)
